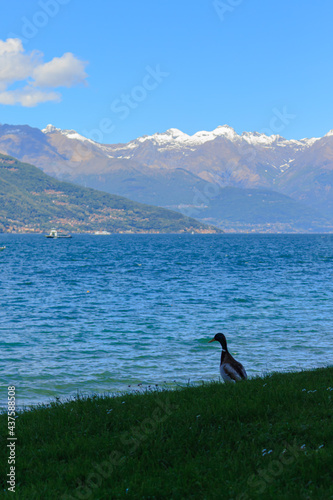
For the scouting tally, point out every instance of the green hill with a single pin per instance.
(33, 201)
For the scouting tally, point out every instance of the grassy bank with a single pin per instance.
(268, 437)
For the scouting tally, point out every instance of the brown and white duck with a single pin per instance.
(230, 369)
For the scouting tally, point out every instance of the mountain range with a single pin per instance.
(247, 182)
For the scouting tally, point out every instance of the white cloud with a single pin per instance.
(28, 97)
(10, 46)
(14, 64)
(64, 71)
(38, 79)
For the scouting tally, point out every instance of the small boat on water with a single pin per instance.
(54, 233)
(2, 248)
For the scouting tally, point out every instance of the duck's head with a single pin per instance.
(219, 337)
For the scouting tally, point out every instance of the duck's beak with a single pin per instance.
(213, 340)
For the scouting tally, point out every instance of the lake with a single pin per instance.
(96, 314)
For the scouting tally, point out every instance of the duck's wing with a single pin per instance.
(242, 372)
(232, 370)
(228, 374)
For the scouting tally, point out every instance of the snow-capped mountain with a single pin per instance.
(174, 141)
(178, 170)
(221, 156)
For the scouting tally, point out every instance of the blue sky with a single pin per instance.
(116, 70)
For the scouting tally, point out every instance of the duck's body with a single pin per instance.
(230, 369)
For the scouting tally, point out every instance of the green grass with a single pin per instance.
(268, 437)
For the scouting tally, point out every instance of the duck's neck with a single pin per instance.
(223, 354)
(224, 346)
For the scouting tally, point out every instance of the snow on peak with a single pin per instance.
(329, 133)
(70, 134)
(220, 131)
(175, 132)
(225, 130)
(171, 133)
(308, 142)
(50, 128)
(257, 138)
(176, 138)
(170, 136)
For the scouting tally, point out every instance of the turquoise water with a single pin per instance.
(154, 301)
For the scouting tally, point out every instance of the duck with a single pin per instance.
(230, 369)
